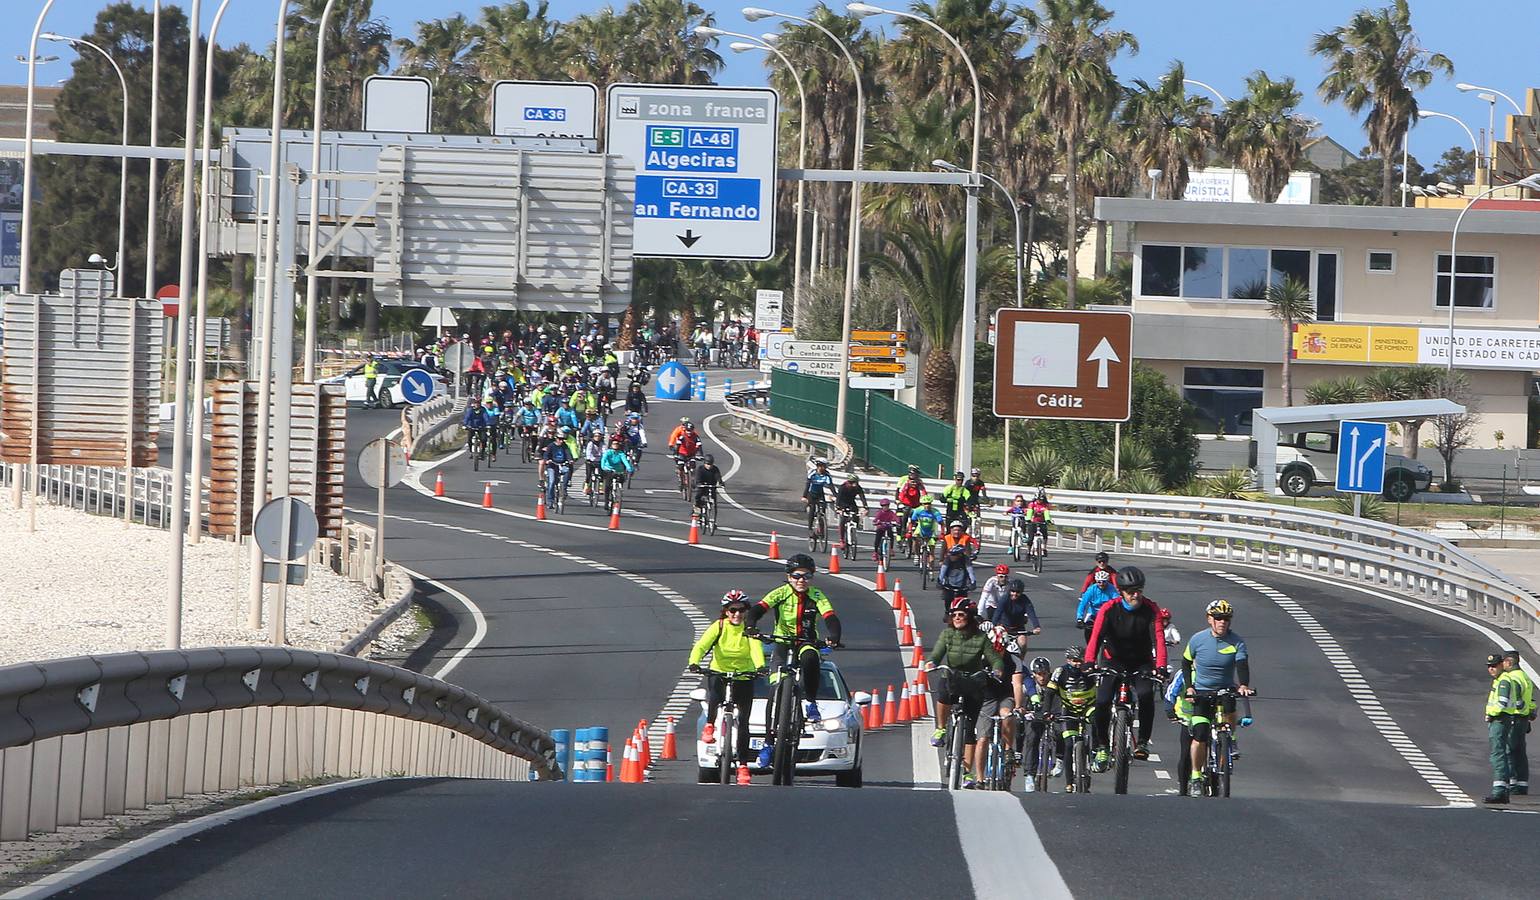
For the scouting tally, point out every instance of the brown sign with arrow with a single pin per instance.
(1063, 364)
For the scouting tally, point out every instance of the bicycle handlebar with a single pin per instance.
(788, 640)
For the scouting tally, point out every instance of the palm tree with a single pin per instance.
(928, 265)
(915, 135)
(1376, 61)
(1328, 391)
(1070, 77)
(444, 53)
(1105, 171)
(518, 40)
(662, 46)
(1290, 302)
(1263, 135)
(1170, 129)
(1406, 383)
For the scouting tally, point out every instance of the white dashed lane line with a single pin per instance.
(1362, 694)
(1062, 587)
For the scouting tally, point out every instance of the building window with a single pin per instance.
(1382, 262)
(1475, 280)
(1224, 398)
(1160, 271)
(1248, 274)
(1326, 287)
(1203, 271)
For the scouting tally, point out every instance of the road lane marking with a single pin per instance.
(1062, 587)
(476, 615)
(1006, 858)
(1366, 699)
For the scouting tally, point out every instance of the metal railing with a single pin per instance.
(1353, 550)
(782, 433)
(93, 736)
(100, 490)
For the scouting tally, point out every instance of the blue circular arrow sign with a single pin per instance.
(417, 386)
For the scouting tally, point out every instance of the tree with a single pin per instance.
(1264, 136)
(1170, 129)
(1451, 434)
(1328, 391)
(1161, 419)
(1406, 383)
(1290, 302)
(915, 135)
(1358, 183)
(928, 263)
(1376, 61)
(443, 52)
(1070, 78)
(1456, 166)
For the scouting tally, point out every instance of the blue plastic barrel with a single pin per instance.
(563, 739)
(598, 752)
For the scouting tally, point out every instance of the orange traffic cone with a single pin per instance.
(834, 559)
(898, 593)
(924, 712)
(904, 716)
(916, 703)
(486, 496)
(646, 746)
(919, 651)
(628, 763)
(539, 506)
(921, 678)
(775, 548)
(873, 717)
(882, 576)
(670, 743)
(615, 516)
(907, 638)
(890, 712)
(694, 529)
(609, 768)
(438, 485)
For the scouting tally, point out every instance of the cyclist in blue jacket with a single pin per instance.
(1101, 592)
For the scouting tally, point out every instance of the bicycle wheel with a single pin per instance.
(1038, 552)
(1122, 753)
(725, 773)
(956, 744)
(529, 452)
(1226, 748)
(1015, 547)
(475, 455)
(1075, 766)
(711, 515)
(783, 760)
(1045, 758)
(925, 572)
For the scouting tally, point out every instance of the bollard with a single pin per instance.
(563, 739)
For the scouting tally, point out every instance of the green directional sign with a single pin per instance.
(667, 137)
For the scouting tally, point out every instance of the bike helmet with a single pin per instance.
(1102, 576)
(1074, 654)
(710, 459)
(1041, 664)
(1131, 579)
(853, 477)
(1042, 493)
(955, 523)
(800, 561)
(1002, 569)
(1164, 616)
(961, 604)
(914, 470)
(927, 500)
(684, 420)
(958, 474)
(975, 473)
(1101, 558)
(1221, 609)
(1017, 586)
(734, 596)
(884, 503)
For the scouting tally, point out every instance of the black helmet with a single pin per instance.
(1018, 586)
(800, 561)
(1041, 664)
(710, 460)
(1102, 557)
(1131, 579)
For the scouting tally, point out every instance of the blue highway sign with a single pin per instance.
(1361, 457)
(672, 382)
(417, 386)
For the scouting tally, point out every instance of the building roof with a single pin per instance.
(13, 111)
(1348, 218)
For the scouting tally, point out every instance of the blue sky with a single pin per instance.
(1219, 40)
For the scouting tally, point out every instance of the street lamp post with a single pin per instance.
(963, 451)
(853, 253)
(748, 43)
(154, 188)
(117, 266)
(312, 281)
(1532, 182)
(1222, 99)
(1467, 88)
(1475, 148)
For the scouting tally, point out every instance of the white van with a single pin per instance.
(1309, 458)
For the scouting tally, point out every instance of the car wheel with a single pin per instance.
(850, 779)
(705, 776)
(1296, 482)
(1399, 488)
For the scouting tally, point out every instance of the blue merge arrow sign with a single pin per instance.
(1361, 457)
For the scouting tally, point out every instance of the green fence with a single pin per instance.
(884, 433)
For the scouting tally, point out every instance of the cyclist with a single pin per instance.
(925, 522)
(475, 420)
(1101, 592)
(994, 590)
(1016, 612)
(884, 523)
(1127, 636)
(955, 499)
(1167, 630)
(999, 695)
(978, 492)
(1102, 565)
(556, 460)
(593, 453)
(1039, 514)
(615, 464)
(683, 440)
(1030, 685)
(819, 483)
(798, 606)
(1214, 660)
(1073, 689)
(910, 489)
(705, 481)
(635, 435)
(636, 399)
(592, 424)
(966, 651)
(958, 536)
(848, 494)
(567, 416)
(737, 659)
(955, 577)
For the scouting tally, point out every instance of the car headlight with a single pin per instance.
(832, 724)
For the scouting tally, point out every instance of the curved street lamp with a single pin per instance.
(1532, 182)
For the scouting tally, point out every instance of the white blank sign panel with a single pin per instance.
(1047, 354)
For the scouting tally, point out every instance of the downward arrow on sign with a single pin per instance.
(688, 238)
(1102, 355)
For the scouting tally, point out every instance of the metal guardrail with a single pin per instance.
(782, 433)
(100, 490)
(1359, 551)
(87, 737)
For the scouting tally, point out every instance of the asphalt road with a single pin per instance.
(1367, 707)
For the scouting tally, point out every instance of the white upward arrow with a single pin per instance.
(1352, 455)
(1103, 354)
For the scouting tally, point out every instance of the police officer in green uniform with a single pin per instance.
(1504, 712)
(371, 373)
(1518, 778)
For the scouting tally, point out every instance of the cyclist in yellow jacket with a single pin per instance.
(736, 660)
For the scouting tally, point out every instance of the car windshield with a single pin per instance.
(831, 685)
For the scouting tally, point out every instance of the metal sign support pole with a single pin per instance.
(1358, 505)
(1117, 449)
(282, 422)
(277, 624)
(379, 521)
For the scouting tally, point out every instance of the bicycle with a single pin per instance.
(925, 560)
(787, 705)
(1124, 722)
(558, 491)
(706, 509)
(614, 484)
(727, 733)
(529, 443)
(999, 759)
(1076, 759)
(1018, 538)
(590, 483)
(1039, 549)
(685, 465)
(952, 753)
(818, 525)
(1219, 761)
(476, 446)
(850, 530)
(702, 358)
(884, 548)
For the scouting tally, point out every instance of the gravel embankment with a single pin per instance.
(84, 584)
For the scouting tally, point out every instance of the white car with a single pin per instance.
(388, 382)
(833, 746)
(1309, 458)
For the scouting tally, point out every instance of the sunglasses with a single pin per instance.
(800, 576)
(959, 615)
(736, 610)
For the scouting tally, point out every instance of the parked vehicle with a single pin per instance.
(1309, 458)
